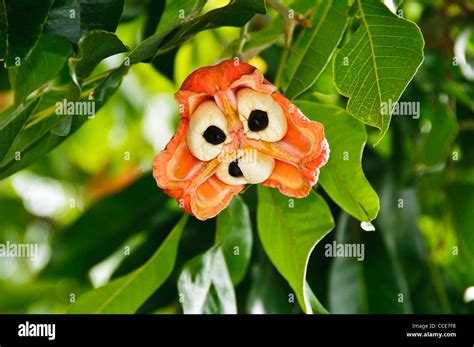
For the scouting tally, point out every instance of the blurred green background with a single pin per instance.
(94, 209)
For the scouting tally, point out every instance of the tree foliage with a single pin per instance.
(398, 116)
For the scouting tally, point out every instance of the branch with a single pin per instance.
(244, 37)
(291, 19)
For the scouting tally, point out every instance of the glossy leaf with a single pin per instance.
(316, 306)
(436, 144)
(127, 294)
(370, 285)
(151, 236)
(343, 178)
(86, 242)
(176, 11)
(11, 123)
(461, 197)
(42, 65)
(345, 288)
(3, 29)
(15, 297)
(64, 19)
(100, 14)
(234, 234)
(260, 40)
(147, 48)
(25, 20)
(38, 137)
(236, 13)
(156, 9)
(314, 48)
(289, 229)
(268, 293)
(75, 18)
(93, 48)
(376, 65)
(205, 286)
(20, 142)
(398, 227)
(179, 11)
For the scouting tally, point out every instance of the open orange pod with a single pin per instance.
(235, 129)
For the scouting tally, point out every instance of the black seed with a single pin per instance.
(234, 169)
(214, 135)
(258, 120)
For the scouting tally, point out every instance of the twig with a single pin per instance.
(290, 21)
(244, 37)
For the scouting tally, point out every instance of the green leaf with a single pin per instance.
(100, 15)
(462, 92)
(37, 137)
(19, 297)
(175, 11)
(376, 65)
(127, 294)
(234, 234)
(3, 29)
(135, 8)
(346, 289)
(18, 217)
(148, 239)
(260, 40)
(289, 234)
(236, 14)
(109, 85)
(11, 124)
(64, 19)
(75, 18)
(205, 285)
(63, 128)
(147, 48)
(398, 227)
(436, 144)
(155, 10)
(179, 11)
(316, 306)
(461, 198)
(93, 48)
(342, 177)
(86, 242)
(32, 131)
(43, 64)
(315, 47)
(268, 291)
(25, 20)
(371, 285)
